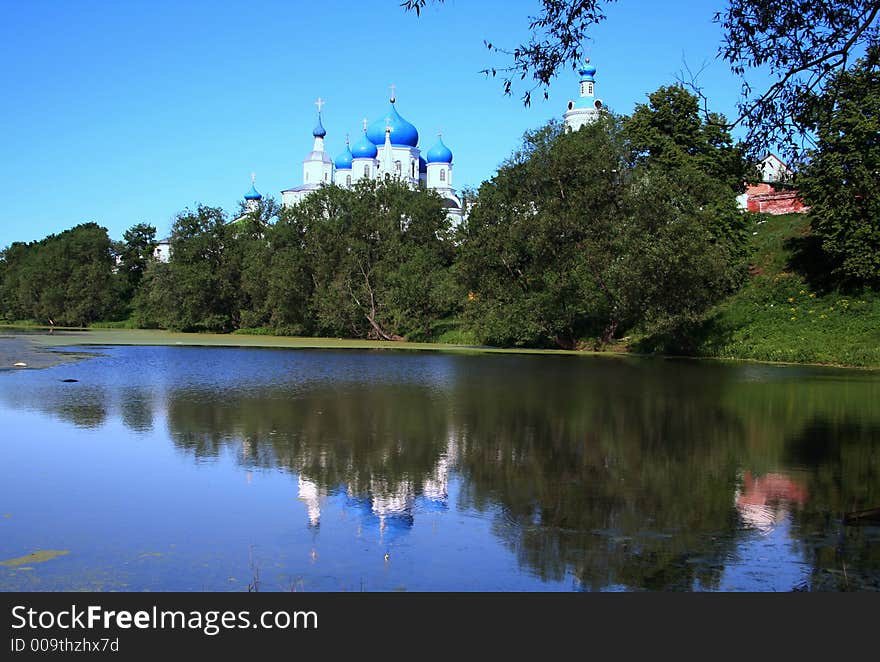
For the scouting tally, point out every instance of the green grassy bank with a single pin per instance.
(786, 313)
(40, 337)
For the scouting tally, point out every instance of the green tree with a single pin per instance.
(154, 301)
(133, 255)
(246, 258)
(840, 180)
(377, 254)
(289, 284)
(618, 226)
(671, 132)
(201, 281)
(695, 155)
(64, 278)
(538, 241)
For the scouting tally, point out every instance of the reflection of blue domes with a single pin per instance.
(423, 165)
(403, 134)
(343, 161)
(588, 71)
(389, 526)
(439, 153)
(364, 149)
(253, 194)
(429, 505)
(319, 131)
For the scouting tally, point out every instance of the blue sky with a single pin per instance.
(122, 112)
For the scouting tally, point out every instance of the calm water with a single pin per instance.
(175, 468)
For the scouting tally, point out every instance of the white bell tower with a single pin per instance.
(587, 108)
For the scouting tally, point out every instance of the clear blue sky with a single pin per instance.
(122, 112)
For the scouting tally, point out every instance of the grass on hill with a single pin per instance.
(788, 311)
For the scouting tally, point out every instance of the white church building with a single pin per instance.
(387, 149)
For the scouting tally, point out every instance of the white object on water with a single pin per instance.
(20, 364)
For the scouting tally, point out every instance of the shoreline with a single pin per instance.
(37, 343)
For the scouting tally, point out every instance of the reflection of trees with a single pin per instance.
(84, 406)
(619, 473)
(351, 435)
(585, 464)
(136, 408)
(842, 470)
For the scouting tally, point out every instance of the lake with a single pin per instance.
(224, 469)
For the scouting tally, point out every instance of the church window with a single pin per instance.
(443, 174)
(326, 176)
(366, 171)
(307, 178)
(348, 180)
(397, 168)
(413, 164)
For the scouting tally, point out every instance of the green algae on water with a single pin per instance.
(39, 556)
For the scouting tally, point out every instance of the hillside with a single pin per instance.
(785, 313)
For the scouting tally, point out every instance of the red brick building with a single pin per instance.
(772, 195)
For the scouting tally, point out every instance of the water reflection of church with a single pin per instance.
(390, 509)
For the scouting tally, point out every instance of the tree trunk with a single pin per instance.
(565, 342)
(610, 330)
(381, 334)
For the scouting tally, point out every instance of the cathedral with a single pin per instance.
(387, 148)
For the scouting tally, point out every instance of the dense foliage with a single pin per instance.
(62, 279)
(619, 226)
(840, 181)
(370, 262)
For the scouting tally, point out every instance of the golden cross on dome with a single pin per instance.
(320, 103)
(365, 125)
(253, 179)
(392, 93)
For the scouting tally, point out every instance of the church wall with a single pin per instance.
(357, 169)
(434, 180)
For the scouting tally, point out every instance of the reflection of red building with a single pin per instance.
(763, 501)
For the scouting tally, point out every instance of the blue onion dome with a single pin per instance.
(403, 134)
(423, 165)
(587, 71)
(253, 194)
(343, 161)
(439, 153)
(319, 131)
(364, 149)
